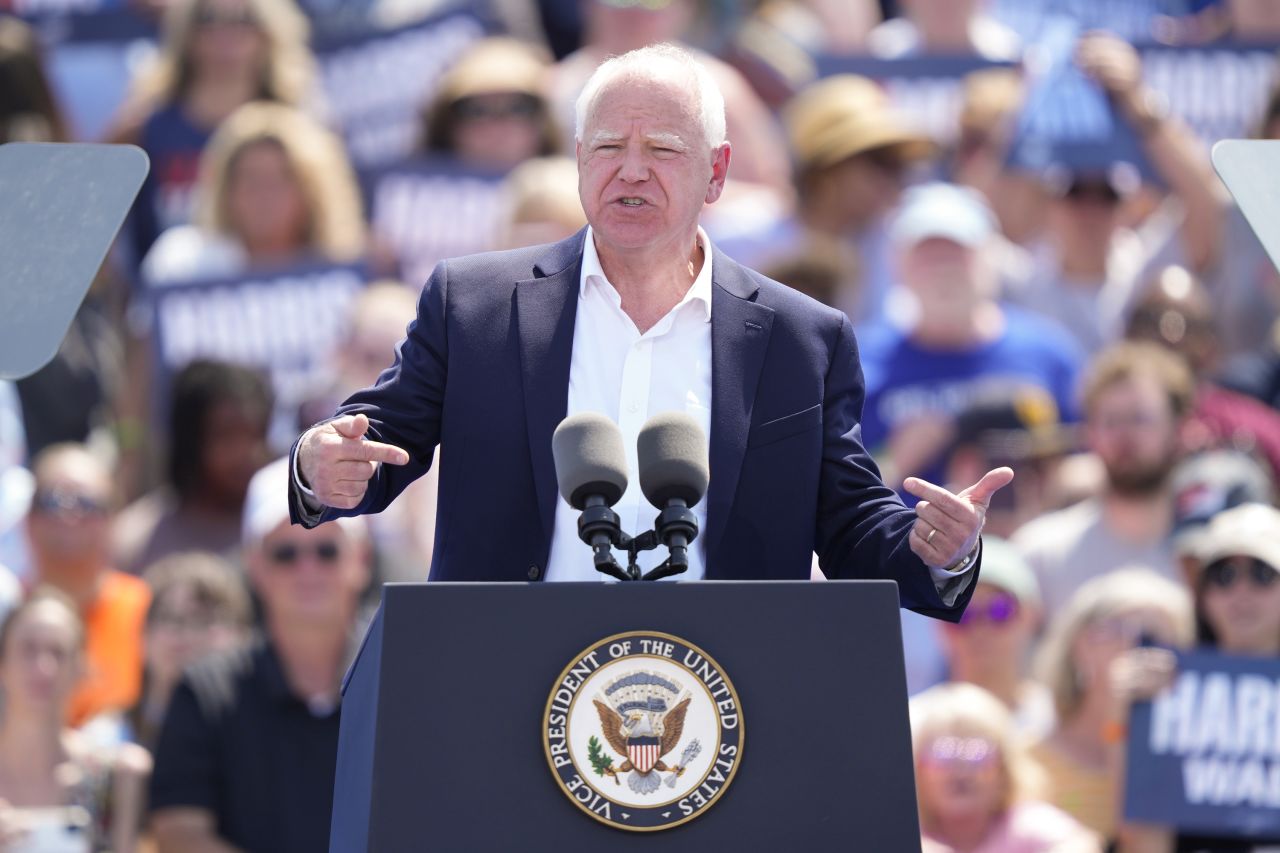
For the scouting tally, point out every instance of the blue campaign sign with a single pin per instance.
(1204, 756)
(285, 322)
(432, 208)
(376, 84)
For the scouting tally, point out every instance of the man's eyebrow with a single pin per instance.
(605, 136)
(669, 140)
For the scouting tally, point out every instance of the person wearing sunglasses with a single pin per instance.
(68, 531)
(976, 786)
(247, 752)
(990, 644)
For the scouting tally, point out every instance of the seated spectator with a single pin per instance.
(928, 28)
(543, 203)
(215, 56)
(1177, 312)
(977, 789)
(247, 754)
(1136, 398)
(1087, 270)
(490, 110)
(199, 606)
(1101, 625)
(69, 534)
(218, 437)
(58, 790)
(275, 189)
(961, 343)
(990, 644)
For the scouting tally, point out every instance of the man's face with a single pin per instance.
(70, 517)
(1133, 432)
(941, 272)
(310, 577)
(644, 167)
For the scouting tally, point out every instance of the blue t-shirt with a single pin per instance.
(174, 144)
(906, 381)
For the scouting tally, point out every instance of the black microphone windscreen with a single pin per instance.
(590, 459)
(672, 456)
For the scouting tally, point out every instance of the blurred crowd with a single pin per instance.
(1100, 317)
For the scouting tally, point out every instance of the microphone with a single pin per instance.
(591, 469)
(672, 455)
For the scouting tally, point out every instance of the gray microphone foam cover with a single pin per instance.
(590, 459)
(672, 455)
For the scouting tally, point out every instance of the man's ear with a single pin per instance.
(719, 171)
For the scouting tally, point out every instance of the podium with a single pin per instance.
(449, 737)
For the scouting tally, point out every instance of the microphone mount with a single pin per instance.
(600, 527)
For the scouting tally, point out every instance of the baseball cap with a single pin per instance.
(1208, 483)
(1248, 530)
(1014, 425)
(943, 210)
(1004, 567)
(266, 505)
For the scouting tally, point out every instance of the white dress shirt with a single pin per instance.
(629, 377)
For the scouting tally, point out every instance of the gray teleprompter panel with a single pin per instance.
(1251, 170)
(61, 205)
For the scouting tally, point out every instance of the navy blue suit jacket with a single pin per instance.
(484, 372)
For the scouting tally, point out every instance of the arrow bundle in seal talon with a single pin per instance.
(690, 752)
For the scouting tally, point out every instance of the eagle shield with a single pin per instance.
(643, 752)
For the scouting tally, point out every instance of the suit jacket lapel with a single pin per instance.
(740, 329)
(546, 307)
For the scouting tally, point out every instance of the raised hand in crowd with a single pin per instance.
(336, 461)
(947, 526)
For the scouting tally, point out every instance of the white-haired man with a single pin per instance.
(638, 314)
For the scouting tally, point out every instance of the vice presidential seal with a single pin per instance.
(643, 731)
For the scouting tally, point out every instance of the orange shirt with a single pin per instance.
(113, 626)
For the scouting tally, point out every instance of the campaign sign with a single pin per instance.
(285, 322)
(429, 209)
(1204, 756)
(377, 84)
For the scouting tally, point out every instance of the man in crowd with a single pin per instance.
(1136, 397)
(69, 533)
(638, 315)
(246, 756)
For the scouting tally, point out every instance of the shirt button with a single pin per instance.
(533, 573)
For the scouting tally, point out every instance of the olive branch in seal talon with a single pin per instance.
(600, 762)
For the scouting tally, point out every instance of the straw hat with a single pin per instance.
(844, 115)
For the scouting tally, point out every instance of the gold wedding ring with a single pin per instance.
(929, 538)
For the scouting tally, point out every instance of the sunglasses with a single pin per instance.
(59, 502)
(1224, 573)
(478, 108)
(1084, 191)
(288, 554)
(241, 19)
(1000, 610)
(961, 751)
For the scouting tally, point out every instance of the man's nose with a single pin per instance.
(634, 167)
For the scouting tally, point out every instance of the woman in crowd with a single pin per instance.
(976, 786)
(1091, 642)
(217, 440)
(56, 789)
(275, 188)
(28, 110)
(216, 55)
(199, 605)
(490, 110)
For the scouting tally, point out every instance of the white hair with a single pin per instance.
(657, 62)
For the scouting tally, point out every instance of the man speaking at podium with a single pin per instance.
(635, 315)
